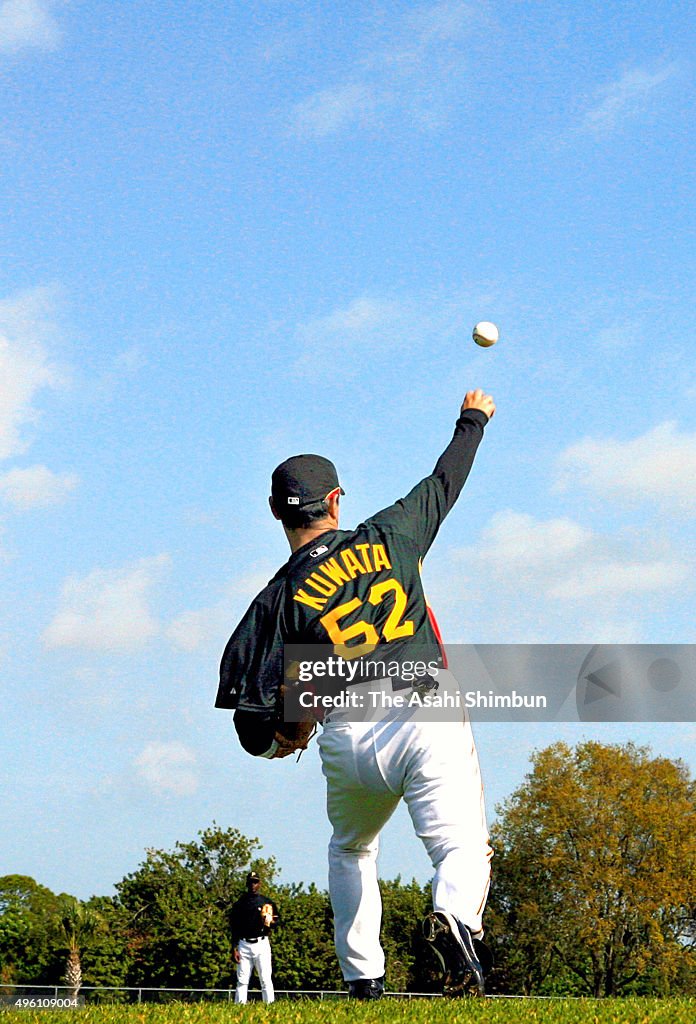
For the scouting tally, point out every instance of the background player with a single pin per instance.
(251, 919)
(362, 588)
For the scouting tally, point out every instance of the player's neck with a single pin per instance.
(298, 538)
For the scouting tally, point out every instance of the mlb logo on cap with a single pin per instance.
(302, 480)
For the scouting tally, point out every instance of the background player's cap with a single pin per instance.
(302, 480)
(252, 877)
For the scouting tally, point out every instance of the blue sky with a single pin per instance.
(232, 232)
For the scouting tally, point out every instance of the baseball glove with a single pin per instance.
(293, 736)
(267, 915)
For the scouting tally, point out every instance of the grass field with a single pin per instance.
(485, 1011)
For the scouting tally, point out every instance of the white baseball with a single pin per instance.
(485, 334)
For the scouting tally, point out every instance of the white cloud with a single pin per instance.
(26, 324)
(36, 487)
(109, 609)
(196, 629)
(378, 326)
(331, 110)
(627, 97)
(531, 580)
(437, 23)
(367, 321)
(411, 72)
(618, 337)
(425, 39)
(658, 466)
(515, 543)
(560, 559)
(614, 579)
(191, 630)
(168, 768)
(27, 23)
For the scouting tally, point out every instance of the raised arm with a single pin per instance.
(421, 512)
(454, 465)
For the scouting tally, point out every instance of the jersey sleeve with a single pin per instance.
(235, 921)
(256, 731)
(251, 669)
(420, 514)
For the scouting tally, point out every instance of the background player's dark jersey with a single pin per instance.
(349, 588)
(246, 921)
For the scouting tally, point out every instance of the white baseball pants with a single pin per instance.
(254, 955)
(369, 766)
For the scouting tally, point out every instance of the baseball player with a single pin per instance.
(362, 588)
(252, 917)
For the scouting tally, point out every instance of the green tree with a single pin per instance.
(26, 912)
(177, 902)
(77, 924)
(410, 963)
(106, 960)
(595, 872)
(303, 947)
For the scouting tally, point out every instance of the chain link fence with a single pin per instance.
(47, 996)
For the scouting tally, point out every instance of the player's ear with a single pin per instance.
(332, 499)
(273, 509)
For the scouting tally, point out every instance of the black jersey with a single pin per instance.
(246, 921)
(350, 588)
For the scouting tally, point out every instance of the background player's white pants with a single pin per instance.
(258, 955)
(368, 767)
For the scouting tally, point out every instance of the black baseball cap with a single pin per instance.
(252, 877)
(302, 480)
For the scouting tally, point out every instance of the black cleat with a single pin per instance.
(366, 988)
(453, 945)
(484, 956)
